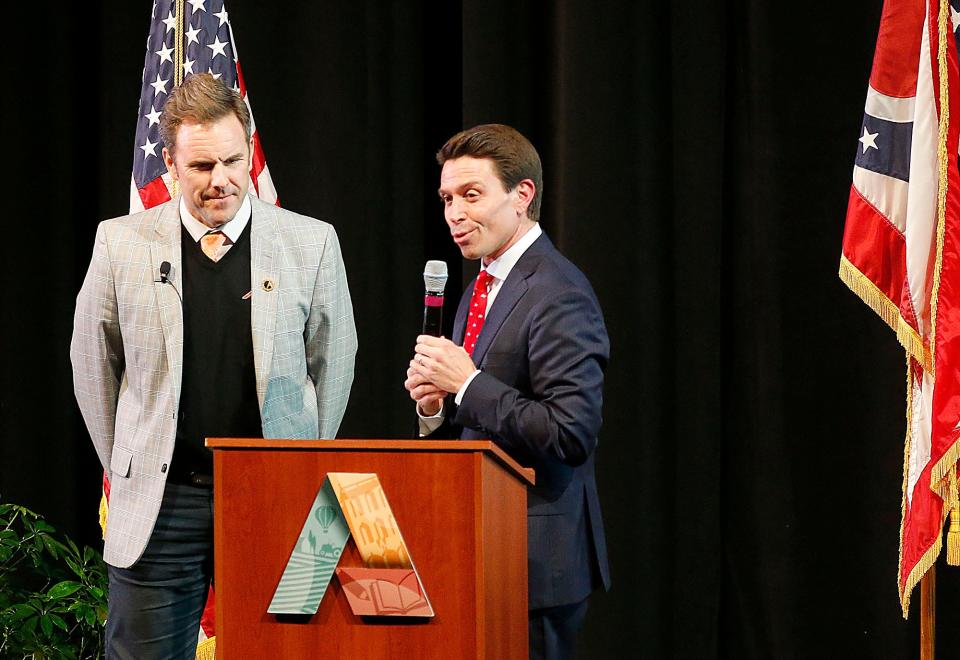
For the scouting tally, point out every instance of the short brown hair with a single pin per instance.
(203, 99)
(514, 158)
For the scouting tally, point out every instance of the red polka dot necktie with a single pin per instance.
(478, 310)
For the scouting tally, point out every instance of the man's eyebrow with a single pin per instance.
(208, 161)
(463, 186)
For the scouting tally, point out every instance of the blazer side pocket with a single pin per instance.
(120, 462)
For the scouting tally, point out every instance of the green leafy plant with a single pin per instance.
(53, 597)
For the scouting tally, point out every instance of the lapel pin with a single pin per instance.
(247, 295)
(268, 285)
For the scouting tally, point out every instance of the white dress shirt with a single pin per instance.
(231, 228)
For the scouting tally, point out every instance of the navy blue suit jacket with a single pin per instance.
(542, 353)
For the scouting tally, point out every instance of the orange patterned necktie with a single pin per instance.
(212, 243)
(478, 309)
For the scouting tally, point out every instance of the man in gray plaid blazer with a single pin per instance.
(212, 314)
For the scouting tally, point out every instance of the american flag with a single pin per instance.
(202, 41)
(901, 254)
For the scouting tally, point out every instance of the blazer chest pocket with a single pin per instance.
(120, 462)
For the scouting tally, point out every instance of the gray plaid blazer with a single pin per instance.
(127, 349)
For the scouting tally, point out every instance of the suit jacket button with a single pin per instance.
(163, 468)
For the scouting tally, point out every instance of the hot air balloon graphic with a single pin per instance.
(325, 515)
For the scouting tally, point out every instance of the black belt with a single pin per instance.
(197, 479)
(201, 480)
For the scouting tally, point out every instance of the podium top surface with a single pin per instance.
(486, 446)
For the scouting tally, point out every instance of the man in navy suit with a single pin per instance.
(526, 370)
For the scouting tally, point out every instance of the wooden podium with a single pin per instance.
(460, 506)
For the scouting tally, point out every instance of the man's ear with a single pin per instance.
(250, 156)
(526, 190)
(171, 166)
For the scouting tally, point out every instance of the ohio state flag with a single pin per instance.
(901, 251)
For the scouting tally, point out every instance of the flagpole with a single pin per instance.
(928, 614)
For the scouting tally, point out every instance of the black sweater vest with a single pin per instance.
(218, 394)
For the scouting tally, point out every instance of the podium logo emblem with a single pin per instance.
(351, 506)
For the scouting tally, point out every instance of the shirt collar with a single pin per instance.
(232, 228)
(502, 265)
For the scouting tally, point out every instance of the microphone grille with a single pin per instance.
(435, 276)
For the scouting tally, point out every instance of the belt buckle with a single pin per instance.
(201, 480)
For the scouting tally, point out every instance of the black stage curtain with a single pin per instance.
(697, 165)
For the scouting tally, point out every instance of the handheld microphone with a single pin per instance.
(434, 281)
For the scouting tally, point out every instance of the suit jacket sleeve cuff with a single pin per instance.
(463, 388)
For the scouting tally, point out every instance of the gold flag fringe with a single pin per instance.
(928, 559)
(941, 471)
(104, 509)
(908, 437)
(207, 649)
(953, 539)
(876, 300)
(942, 163)
(953, 536)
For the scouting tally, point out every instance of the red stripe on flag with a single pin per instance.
(207, 621)
(922, 526)
(875, 246)
(240, 83)
(154, 193)
(259, 161)
(898, 49)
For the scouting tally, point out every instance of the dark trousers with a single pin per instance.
(155, 605)
(553, 631)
